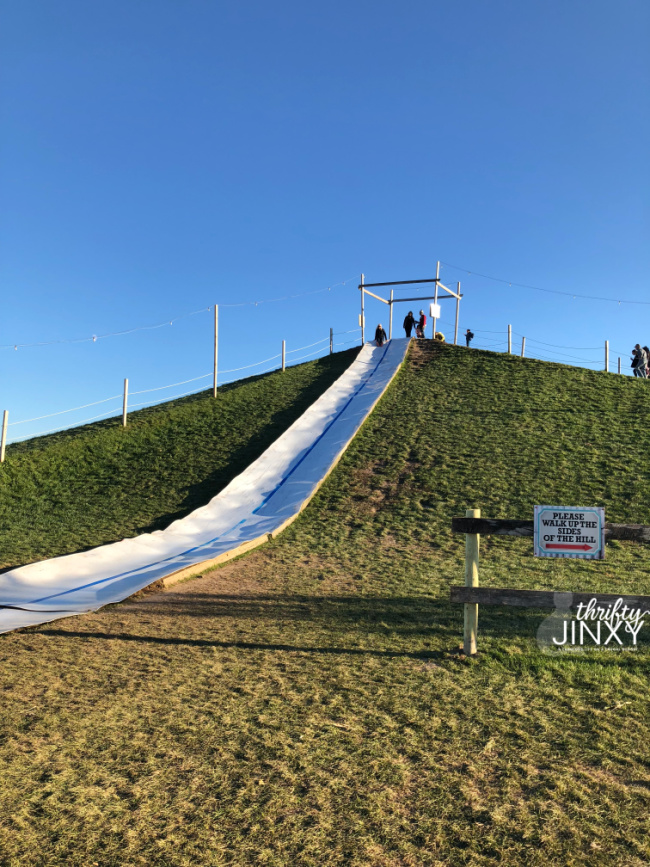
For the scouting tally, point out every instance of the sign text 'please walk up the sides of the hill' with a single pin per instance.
(570, 531)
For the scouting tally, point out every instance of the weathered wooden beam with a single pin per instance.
(630, 532)
(378, 297)
(423, 298)
(447, 289)
(402, 282)
(514, 527)
(492, 526)
(539, 598)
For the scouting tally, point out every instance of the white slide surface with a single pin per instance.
(269, 492)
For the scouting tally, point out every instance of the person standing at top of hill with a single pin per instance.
(409, 323)
(468, 337)
(422, 323)
(639, 362)
(647, 361)
(380, 335)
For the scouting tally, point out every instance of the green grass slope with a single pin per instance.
(100, 483)
(307, 704)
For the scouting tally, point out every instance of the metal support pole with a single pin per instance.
(523, 346)
(607, 356)
(284, 352)
(457, 315)
(3, 443)
(390, 317)
(331, 340)
(509, 339)
(435, 301)
(363, 320)
(472, 541)
(125, 402)
(619, 363)
(216, 349)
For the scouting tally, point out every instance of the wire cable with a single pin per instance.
(248, 366)
(309, 345)
(173, 385)
(95, 337)
(63, 411)
(541, 289)
(66, 427)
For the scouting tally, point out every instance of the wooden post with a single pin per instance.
(390, 317)
(619, 363)
(509, 339)
(363, 320)
(125, 402)
(331, 340)
(607, 355)
(471, 580)
(3, 443)
(435, 301)
(523, 346)
(457, 315)
(284, 349)
(216, 349)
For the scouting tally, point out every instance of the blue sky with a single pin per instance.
(158, 157)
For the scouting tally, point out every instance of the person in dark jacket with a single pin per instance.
(639, 362)
(380, 336)
(468, 337)
(409, 323)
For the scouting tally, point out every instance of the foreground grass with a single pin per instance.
(307, 705)
(102, 482)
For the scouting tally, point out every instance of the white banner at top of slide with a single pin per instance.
(258, 501)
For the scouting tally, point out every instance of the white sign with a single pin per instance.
(570, 531)
(434, 311)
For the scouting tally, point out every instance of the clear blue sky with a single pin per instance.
(158, 157)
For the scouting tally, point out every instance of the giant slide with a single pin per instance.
(257, 504)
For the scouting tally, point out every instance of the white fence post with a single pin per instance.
(457, 315)
(362, 319)
(284, 349)
(125, 402)
(3, 443)
(435, 301)
(216, 349)
(607, 356)
(390, 317)
(523, 346)
(331, 340)
(472, 541)
(509, 339)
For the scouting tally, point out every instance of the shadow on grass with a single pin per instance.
(248, 645)
(387, 611)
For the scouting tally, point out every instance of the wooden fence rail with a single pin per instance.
(538, 598)
(471, 595)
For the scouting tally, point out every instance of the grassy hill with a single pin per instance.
(100, 483)
(307, 704)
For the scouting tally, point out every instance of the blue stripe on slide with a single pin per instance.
(234, 527)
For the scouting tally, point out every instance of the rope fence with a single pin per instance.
(493, 341)
(114, 399)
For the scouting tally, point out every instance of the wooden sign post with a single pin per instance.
(472, 541)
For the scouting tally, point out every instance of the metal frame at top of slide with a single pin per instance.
(266, 496)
